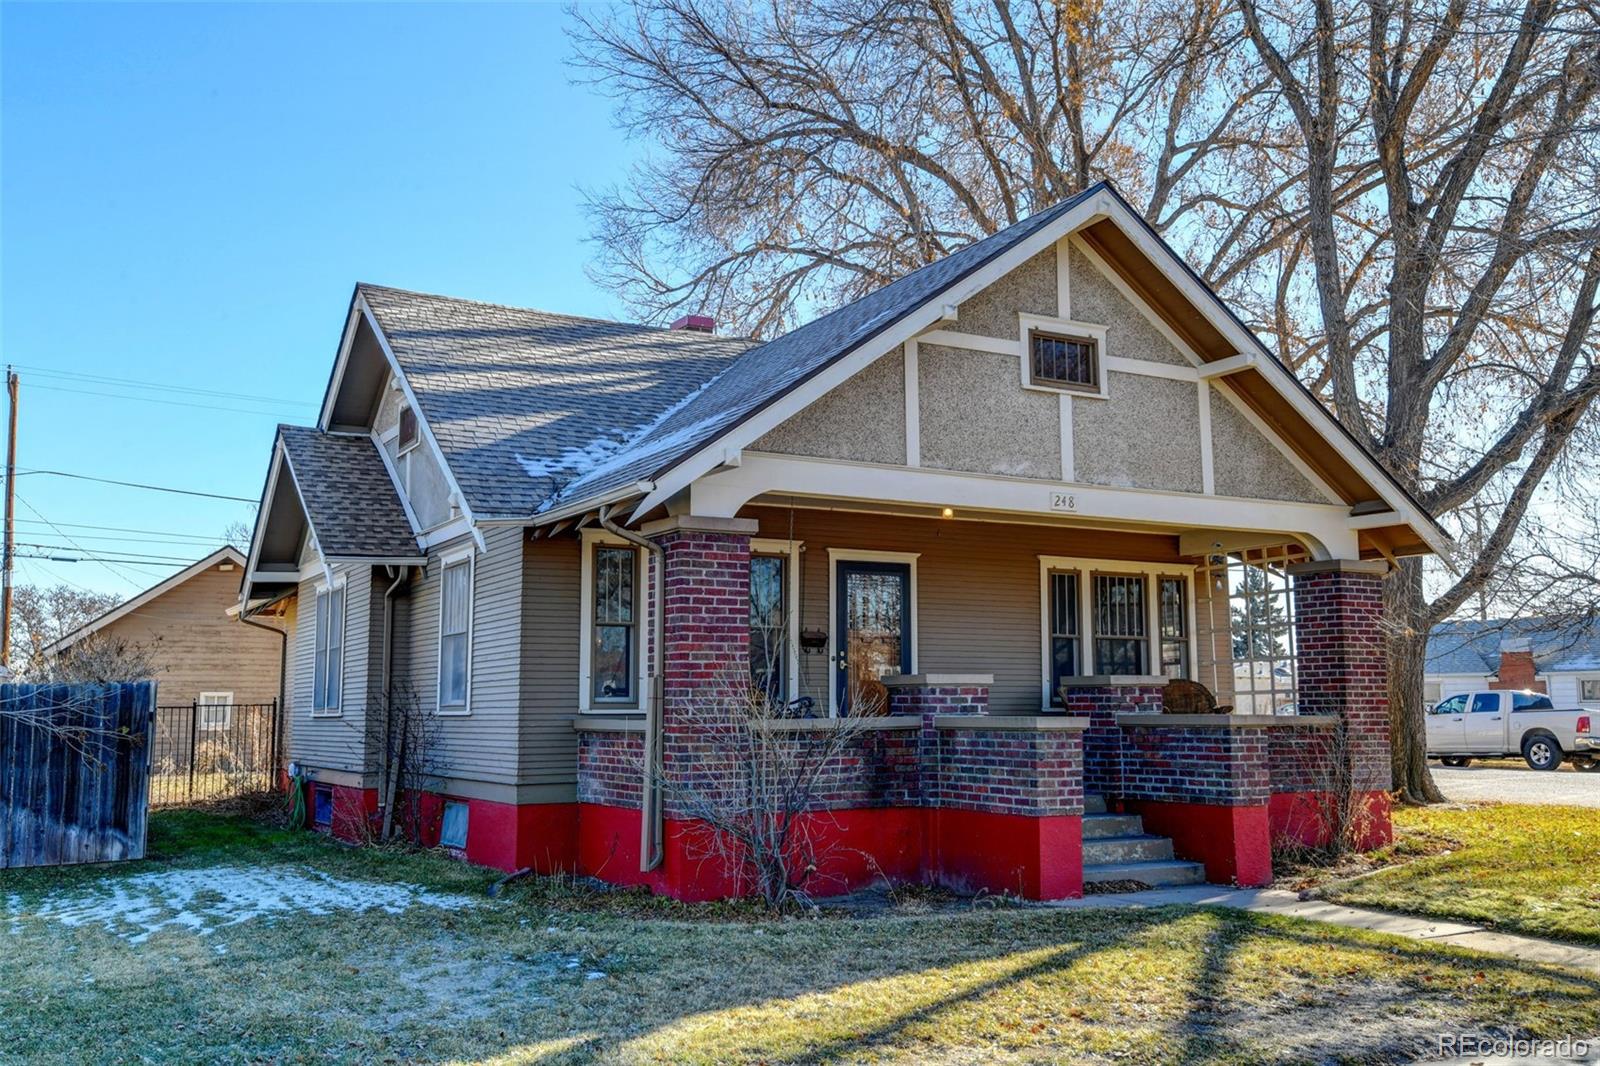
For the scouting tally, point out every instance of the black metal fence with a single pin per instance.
(73, 772)
(206, 752)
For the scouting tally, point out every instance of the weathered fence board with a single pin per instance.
(74, 772)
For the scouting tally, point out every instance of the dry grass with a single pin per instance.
(1514, 867)
(507, 981)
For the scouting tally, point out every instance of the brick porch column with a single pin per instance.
(1343, 672)
(927, 696)
(707, 647)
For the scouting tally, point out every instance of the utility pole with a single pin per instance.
(10, 534)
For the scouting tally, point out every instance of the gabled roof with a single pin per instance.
(539, 416)
(524, 402)
(1472, 646)
(348, 495)
(770, 370)
(224, 554)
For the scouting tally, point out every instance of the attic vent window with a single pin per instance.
(1064, 362)
(408, 428)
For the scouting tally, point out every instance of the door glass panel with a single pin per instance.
(874, 637)
(1486, 703)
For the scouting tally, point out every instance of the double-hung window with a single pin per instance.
(1120, 624)
(613, 656)
(769, 646)
(329, 668)
(1065, 646)
(1173, 607)
(455, 635)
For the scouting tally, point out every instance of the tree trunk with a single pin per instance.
(1405, 619)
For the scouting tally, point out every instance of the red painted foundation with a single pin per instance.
(1300, 817)
(1032, 857)
(1234, 843)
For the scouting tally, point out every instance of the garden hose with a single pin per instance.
(297, 801)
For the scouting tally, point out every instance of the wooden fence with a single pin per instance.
(74, 772)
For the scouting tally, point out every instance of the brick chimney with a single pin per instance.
(696, 324)
(1516, 666)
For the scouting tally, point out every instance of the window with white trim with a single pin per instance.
(613, 657)
(455, 635)
(1104, 617)
(214, 711)
(769, 628)
(1061, 361)
(407, 429)
(1589, 690)
(328, 673)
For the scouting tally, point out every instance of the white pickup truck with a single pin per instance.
(1476, 725)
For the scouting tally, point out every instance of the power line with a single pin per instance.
(138, 485)
(159, 400)
(120, 529)
(145, 563)
(96, 553)
(181, 542)
(76, 375)
(123, 574)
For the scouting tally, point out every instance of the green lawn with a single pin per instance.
(1517, 868)
(550, 973)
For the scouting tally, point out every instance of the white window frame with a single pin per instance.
(1086, 569)
(790, 551)
(1592, 679)
(644, 606)
(338, 586)
(457, 557)
(1027, 324)
(227, 705)
(864, 555)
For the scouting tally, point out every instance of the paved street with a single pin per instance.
(1514, 783)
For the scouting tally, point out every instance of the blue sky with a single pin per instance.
(187, 195)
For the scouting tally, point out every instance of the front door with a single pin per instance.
(872, 633)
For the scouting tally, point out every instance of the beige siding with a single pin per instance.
(197, 646)
(550, 661)
(482, 744)
(978, 588)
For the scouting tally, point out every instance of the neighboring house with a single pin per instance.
(1042, 475)
(202, 653)
(1561, 659)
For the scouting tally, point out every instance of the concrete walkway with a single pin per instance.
(1277, 901)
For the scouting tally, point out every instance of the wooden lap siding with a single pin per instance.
(978, 588)
(547, 744)
(197, 646)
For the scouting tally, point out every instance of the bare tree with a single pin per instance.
(815, 149)
(755, 790)
(1399, 196)
(1455, 301)
(99, 659)
(43, 615)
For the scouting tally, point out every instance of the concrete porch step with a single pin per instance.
(1093, 804)
(1157, 874)
(1124, 849)
(1097, 826)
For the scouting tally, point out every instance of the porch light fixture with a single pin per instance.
(948, 512)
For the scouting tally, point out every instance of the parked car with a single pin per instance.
(1489, 724)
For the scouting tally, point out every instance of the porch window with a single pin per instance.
(614, 655)
(1244, 609)
(1064, 654)
(1063, 362)
(768, 641)
(1120, 645)
(329, 654)
(455, 622)
(1174, 621)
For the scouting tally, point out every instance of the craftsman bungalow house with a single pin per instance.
(1010, 494)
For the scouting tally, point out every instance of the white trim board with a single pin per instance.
(226, 553)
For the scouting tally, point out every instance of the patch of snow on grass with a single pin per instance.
(205, 900)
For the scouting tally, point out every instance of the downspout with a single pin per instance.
(283, 676)
(399, 575)
(650, 790)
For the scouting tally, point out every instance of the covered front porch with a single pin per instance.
(1018, 660)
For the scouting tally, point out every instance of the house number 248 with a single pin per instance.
(1063, 501)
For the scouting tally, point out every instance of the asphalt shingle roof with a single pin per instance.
(1472, 646)
(523, 402)
(349, 497)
